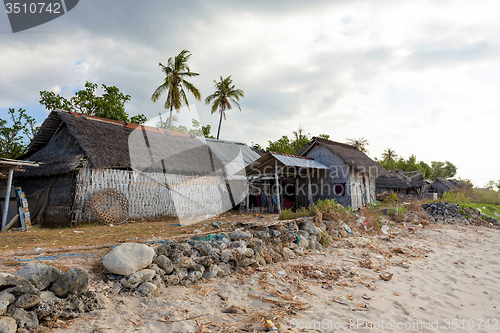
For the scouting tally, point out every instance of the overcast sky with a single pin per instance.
(420, 77)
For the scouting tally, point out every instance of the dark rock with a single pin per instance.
(309, 227)
(144, 275)
(40, 275)
(164, 263)
(74, 281)
(240, 234)
(23, 289)
(10, 280)
(27, 301)
(51, 309)
(204, 248)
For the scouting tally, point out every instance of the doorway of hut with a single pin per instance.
(289, 194)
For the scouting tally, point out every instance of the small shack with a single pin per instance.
(279, 181)
(352, 174)
(441, 185)
(407, 183)
(159, 172)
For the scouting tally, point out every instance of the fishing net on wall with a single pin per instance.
(110, 206)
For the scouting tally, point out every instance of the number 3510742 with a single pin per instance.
(33, 8)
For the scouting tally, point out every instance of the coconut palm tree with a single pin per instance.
(360, 144)
(225, 94)
(389, 155)
(176, 72)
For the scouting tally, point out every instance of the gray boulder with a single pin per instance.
(128, 258)
(240, 234)
(75, 281)
(164, 263)
(147, 289)
(27, 301)
(5, 300)
(46, 295)
(9, 280)
(309, 227)
(40, 275)
(134, 280)
(8, 325)
(25, 319)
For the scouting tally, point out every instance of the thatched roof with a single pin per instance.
(349, 154)
(400, 180)
(67, 138)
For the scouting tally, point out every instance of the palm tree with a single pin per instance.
(225, 93)
(175, 72)
(389, 155)
(360, 144)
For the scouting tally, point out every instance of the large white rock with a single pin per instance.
(128, 258)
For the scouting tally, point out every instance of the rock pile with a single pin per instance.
(443, 212)
(141, 269)
(34, 297)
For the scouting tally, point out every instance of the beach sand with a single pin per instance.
(445, 278)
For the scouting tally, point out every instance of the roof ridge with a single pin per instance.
(330, 142)
(289, 155)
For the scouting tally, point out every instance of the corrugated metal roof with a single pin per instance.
(299, 162)
(234, 155)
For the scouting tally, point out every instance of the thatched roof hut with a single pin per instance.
(161, 172)
(409, 183)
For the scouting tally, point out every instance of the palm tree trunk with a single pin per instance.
(171, 108)
(220, 123)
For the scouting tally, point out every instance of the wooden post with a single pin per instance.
(277, 185)
(7, 198)
(309, 190)
(248, 193)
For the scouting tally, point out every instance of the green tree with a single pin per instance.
(225, 94)
(14, 139)
(206, 131)
(360, 144)
(176, 72)
(111, 105)
(324, 136)
(492, 185)
(389, 155)
(285, 145)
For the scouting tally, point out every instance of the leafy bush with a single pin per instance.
(401, 210)
(391, 198)
(456, 197)
(485, 197)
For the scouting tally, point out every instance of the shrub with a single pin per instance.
(391, 198)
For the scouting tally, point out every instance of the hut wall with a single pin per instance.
(323, 184)
(148, 195)
(362, 188)
(61, 195)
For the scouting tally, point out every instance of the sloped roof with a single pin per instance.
(67, 138)
(349, 154)
(234, 155)
(266, 164)
(400, 180)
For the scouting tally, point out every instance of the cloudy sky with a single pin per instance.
(420, 77)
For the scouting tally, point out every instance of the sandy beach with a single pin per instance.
(444, 278)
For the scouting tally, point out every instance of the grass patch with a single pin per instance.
(320, 206)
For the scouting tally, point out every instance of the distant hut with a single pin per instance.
(408, 183)
(160, 172)
(442, 185)
(351, 177)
